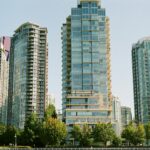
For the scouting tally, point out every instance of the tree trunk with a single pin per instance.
(105, 144)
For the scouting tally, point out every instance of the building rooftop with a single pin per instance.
(125, 107)
(144, 39)
(141, 41)
(98, 1)
(28, 23)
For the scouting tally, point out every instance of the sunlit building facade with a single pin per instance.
(28, 73)
(116, 115)
(4, 77)
(86, 80)
(50, 100)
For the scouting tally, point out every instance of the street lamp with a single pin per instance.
(15, 140)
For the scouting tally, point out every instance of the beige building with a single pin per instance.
(50, 100)
(4, 77)
(116, 115)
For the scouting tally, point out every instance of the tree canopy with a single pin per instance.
(50, 112)
(147, 131)
(76, 133)
(134, 134)
(31, 130)
(103, 133)
(53, 132)
(86, 138)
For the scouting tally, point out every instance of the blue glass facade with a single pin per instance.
(141, 79)
(86, 84)
(27, 74)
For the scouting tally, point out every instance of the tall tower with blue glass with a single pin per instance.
(86, 81)
(141, 79)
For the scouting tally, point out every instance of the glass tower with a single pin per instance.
(86, 83)
(126, 116)
(28, 73)
(141, 79)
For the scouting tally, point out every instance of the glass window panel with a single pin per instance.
(86, 68)
(87, 57)
(87, 87)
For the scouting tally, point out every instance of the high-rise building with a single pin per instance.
(141, 79)
(126, 116)
(4, 75)
(116, 115)
(86, 81)
(50, 100)
(59, 114)
(28, 73)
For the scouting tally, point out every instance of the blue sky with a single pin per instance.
(129, 22)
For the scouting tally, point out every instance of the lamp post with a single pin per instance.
(15, 140)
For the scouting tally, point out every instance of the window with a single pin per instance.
(87, 57)
(86, 68)
(76, 11)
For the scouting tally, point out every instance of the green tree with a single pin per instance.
(147, 132)
(86, 139)
(76, 134)
(139, 135)
(53, 132)
(134, 134)
(2, 131)
(116, 141)
(9, 135)
(129, 133)
(30, 135)
(82, 135)
(103, 133)
(50, 112)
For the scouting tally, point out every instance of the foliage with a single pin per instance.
(147, 131)
(50, 112)
(128, 133)
(103, 133)
(53, 132)
(116, 141)
(139, 135)
(30, 135)
(9, 134)
(2, 131)
(134, 134)
(82, 135)
(86, 136)
(76, 133)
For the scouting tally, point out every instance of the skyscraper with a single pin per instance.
(86, 83)
(116, 115)
(126, 116)
(141, 79)
(4, 75)
(50, 100)
(28, 73)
